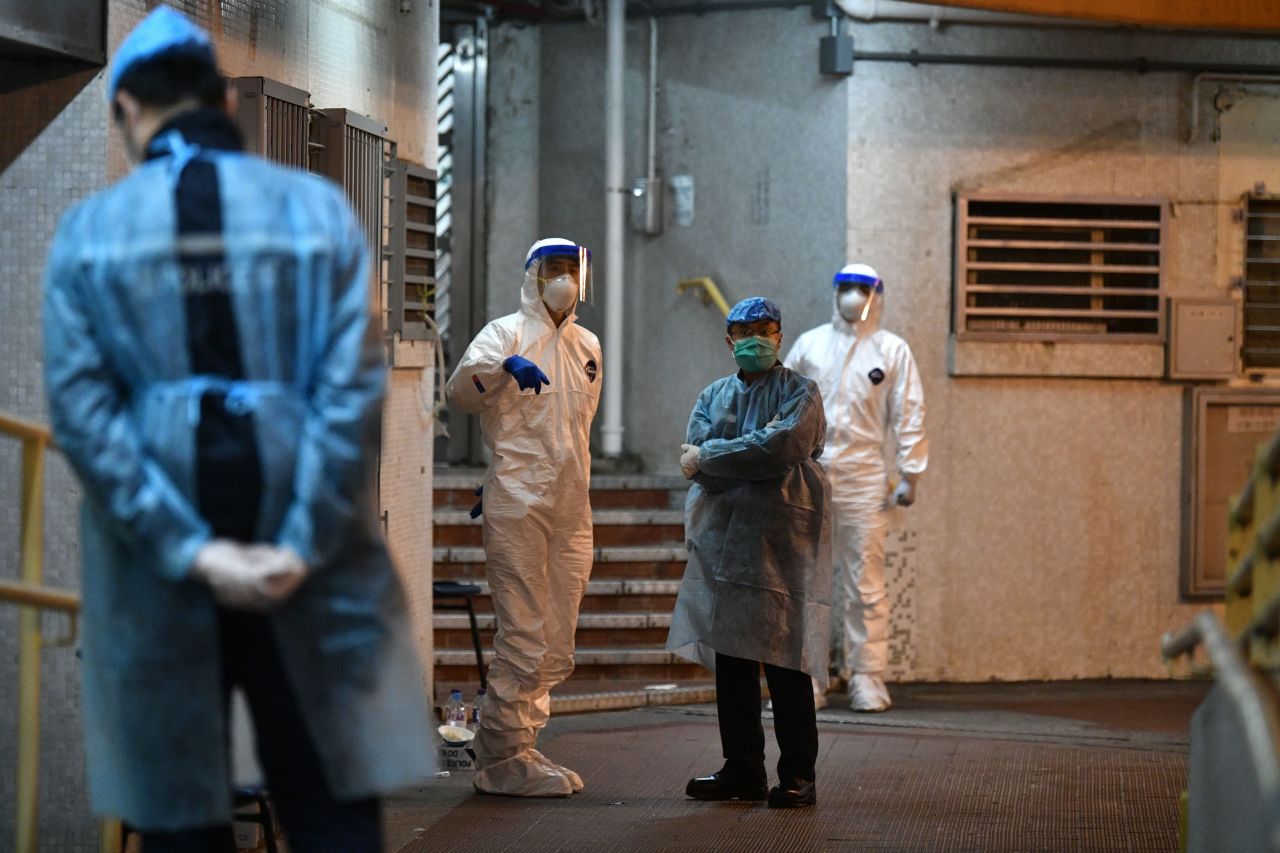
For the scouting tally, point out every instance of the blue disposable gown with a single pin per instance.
(757, 527)
(125, 409)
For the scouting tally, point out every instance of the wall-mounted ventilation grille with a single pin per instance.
(350, 149)
(1262, 281)
(411, 270)
(273, 119)
(1059, 268)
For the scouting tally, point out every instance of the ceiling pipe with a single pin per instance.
(896, 11)
(615, 64)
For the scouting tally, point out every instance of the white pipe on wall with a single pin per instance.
(870, 11)
(615, 56)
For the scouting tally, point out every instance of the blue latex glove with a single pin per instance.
(526, 373)
(478, 509)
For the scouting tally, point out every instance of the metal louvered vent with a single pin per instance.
(273, 119)
(351, 149)
(1262, 281)
(411, 281)
(1071, 268)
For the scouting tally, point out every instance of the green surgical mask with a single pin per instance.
(755, 354)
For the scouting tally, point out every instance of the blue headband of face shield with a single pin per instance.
(843, 278)
(558, 251)
(163, 33)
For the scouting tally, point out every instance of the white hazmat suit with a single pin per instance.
(871, 392)
(537, 518)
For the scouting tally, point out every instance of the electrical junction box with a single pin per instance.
(1203, 339)
(835, 55)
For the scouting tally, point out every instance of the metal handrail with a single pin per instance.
(709, 293)
(37, 595)
(1246, 690)
(26, 430)
(33, 597)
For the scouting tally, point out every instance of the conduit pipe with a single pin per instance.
(615, 56)
(873, 11)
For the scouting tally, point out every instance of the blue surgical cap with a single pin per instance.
(754, 308)
(163, 33)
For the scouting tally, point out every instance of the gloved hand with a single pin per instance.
(248, 577)
(478, 509)
(526, 373)
(689, 460)
(904, 494)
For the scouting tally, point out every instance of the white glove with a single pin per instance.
(689, 460)
(904, 494)
(248, 577)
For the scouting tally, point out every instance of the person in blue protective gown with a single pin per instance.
(534, 379)
(215, 380)
(757, 586)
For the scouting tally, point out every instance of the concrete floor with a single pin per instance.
(1054, 767)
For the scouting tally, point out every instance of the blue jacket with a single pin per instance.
(757, 527)
(125, 408)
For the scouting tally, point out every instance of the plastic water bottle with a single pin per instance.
(474, 722)
(455, 713)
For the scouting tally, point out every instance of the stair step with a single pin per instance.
(599, 517)
(621, 700)
(614, 587)
(463, 478)
(604, 554)
(601, 656)
(455, 488)
(586, 621)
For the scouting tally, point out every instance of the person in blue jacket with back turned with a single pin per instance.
(215, 380)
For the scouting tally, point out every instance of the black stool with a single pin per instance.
(256, 796)
(465, 592)
(248, 796)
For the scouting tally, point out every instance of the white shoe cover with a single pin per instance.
(574, 779)
(867, 692)
(523, 775)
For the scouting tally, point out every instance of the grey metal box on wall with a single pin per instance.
(1203, 342)
(273, 117)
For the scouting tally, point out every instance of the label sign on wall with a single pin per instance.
(1253, 419)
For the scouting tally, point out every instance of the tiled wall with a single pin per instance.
(365, 55)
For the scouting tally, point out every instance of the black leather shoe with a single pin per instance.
(791, 795)
(720, 787)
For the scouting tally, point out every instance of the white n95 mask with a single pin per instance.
(850, 304)
(560, 293)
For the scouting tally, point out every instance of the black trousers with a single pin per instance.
(741, 733)
(313, 820)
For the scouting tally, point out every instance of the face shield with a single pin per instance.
(562, 272)
(857, 286)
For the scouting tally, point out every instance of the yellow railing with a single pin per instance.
(706, 290)
(33, 597)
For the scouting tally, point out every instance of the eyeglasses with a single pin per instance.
(741, 332)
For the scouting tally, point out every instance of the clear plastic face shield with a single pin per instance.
(855, 293)
(563, 275)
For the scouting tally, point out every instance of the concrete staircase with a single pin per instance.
(622, 626)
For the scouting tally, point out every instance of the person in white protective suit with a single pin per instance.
(870, 390)
(534, 379)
